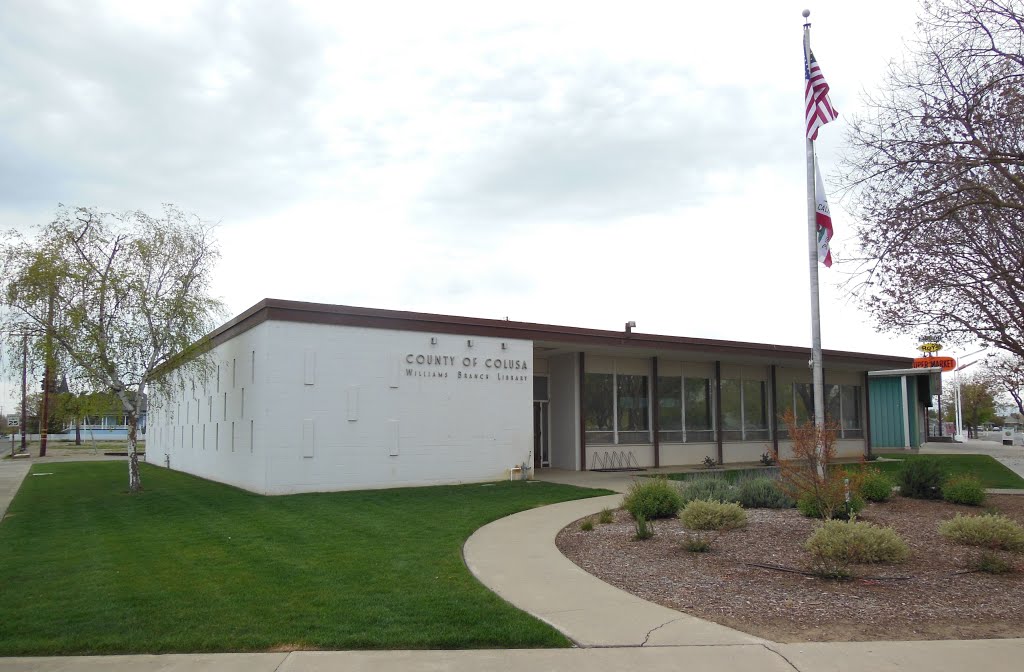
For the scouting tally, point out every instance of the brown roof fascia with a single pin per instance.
(376, 318)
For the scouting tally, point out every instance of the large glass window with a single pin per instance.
(684, 410)
(697, 410)
(842, 406)
(616, 408)
(632, 399)
(598, 407)
(744, 410)
(670, 408)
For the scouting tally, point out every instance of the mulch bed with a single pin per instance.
(931, 596)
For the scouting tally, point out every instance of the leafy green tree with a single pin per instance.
(977, 403)
(119, 295)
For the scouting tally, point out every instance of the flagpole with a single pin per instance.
(818, 377)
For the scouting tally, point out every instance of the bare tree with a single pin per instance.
(118, 294)
(1006, 373)
(934, 173)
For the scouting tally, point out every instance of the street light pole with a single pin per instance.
(959, 415)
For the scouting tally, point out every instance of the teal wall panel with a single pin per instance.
(886, 412)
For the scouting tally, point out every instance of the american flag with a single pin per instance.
(818, 108)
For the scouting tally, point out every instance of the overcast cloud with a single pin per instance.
(575, 162)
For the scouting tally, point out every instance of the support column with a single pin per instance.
(655, 420)
(774, 422)
(718, 410)
(583, 423)
(867, 416)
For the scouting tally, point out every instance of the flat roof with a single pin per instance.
(553, 336)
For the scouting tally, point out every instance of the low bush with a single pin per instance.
(991, 562)
(840, 510)
(964, 489)
(992, 530)
(875, 486)
(697, 543)
(921, 479)
(708, 488)
(762, 493)
(606, 516)
(837, 544)
(709, 462)
(704, 515)
(767, 459)
(652, 498)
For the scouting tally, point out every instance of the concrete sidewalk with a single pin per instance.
(998, 655)
(12, 473)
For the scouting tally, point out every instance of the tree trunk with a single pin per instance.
(134, 481)
(78, 431)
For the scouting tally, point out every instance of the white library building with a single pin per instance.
(308, 397)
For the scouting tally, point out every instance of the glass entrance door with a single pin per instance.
(541, 447)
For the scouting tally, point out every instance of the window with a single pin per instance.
(598, 405)
(744, 410)
(697, 410)
(616, 408)
(670, 408)
(842, 406)
(632, 404)
(684, 409)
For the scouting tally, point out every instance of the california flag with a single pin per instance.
(822, 217)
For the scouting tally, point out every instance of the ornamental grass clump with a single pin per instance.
(964, 489)
(708, 489)
(837, 544)
(653, 498)
(606, 516)
(921, 479)
(991, 530)
(762, 493)
(875, 486)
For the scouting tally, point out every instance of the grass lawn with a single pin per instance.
(993, 474)
(192, 565)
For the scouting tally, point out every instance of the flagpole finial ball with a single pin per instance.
(806, 13)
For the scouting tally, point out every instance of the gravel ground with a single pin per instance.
(931, 596)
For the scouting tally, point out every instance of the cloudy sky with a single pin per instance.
(575, 163)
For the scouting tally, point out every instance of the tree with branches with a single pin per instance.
(1006, 374)
(934, 171)
(117, 295)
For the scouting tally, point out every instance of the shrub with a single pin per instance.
(921, 479)
(964, 489)
(709, 462)
(994, 531)
(767, 459)
(587, 525)
(606, 516)
(708, 488)
(992, 563)
(762, 493)
(652, 498)
(807, 477)
(810, 506)
(875, 486)
(697, 543)
(644, 529)
(706, 515)
(837, 544)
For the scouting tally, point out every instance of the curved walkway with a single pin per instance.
(516, 557)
